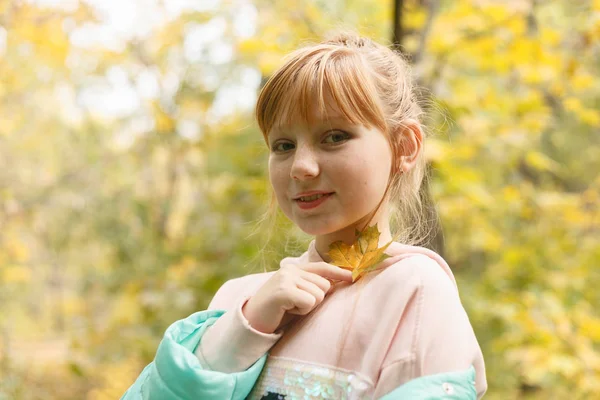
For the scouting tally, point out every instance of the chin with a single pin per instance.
(318, 229)
(316, 232)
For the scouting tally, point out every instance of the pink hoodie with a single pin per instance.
(400, 322)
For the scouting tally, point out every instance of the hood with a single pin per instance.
(396, 251)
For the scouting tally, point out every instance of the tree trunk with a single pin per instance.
(397, 23)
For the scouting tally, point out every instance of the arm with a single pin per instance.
(239, 338)
(177, 374)
(226, 366)
(441, 339)
(232, 345)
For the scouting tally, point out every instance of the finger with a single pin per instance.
(328, 271)
(300, 300)
(323, 283)
(314, 290)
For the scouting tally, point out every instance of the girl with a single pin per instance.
(346, 150)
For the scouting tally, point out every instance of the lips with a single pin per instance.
(311, 193)
(307, 205)
(323, 195)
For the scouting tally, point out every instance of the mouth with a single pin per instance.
(312, 201)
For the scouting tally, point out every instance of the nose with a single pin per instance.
(305, 165)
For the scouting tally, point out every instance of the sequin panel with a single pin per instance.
(297, 380)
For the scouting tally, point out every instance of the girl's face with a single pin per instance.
(350, 161)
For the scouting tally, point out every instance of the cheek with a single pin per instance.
(365, 176)
(352, 179)
(277, 176)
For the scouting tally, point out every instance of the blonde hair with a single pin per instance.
(370, 84)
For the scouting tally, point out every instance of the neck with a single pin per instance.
(348, 235)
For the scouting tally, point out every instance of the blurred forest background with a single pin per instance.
(132, 175)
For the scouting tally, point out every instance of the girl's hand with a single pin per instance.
(292, 290)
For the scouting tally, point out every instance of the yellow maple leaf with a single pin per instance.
(362, 256)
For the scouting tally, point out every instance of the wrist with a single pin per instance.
(258, 320)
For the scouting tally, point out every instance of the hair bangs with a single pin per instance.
(319, 84)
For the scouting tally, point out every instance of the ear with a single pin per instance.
(410, 144)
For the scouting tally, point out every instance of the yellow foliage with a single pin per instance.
(4, 6)
(265, 52)
(415, 18)
(9, 124)
(268, 62)
(487, 239)
(482, 45)
(496, 13)
(435, 150)
(164, 123)
(15, 274)
(478, 194)
(517, 27)
(115, 379)
(590, 327)
(524, 51)
(126, 310)
(549, 36)
(532, 101)
(540, 161)
(557, 89)
(572, 104)
(518, 232)
(590, 117)
(582, 81)
(586, 115)
(181, 271)
(444, 36)
(511, 194)
(192, 107)
(74, 306)
(16, 249)
(252, 45)
(475, 125)
(44, 32)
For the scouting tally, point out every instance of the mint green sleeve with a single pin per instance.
(459, 385)
(177, 374)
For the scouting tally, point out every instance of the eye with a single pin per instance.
(277, 149)
(337, 136)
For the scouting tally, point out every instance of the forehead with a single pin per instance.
(314, 115)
